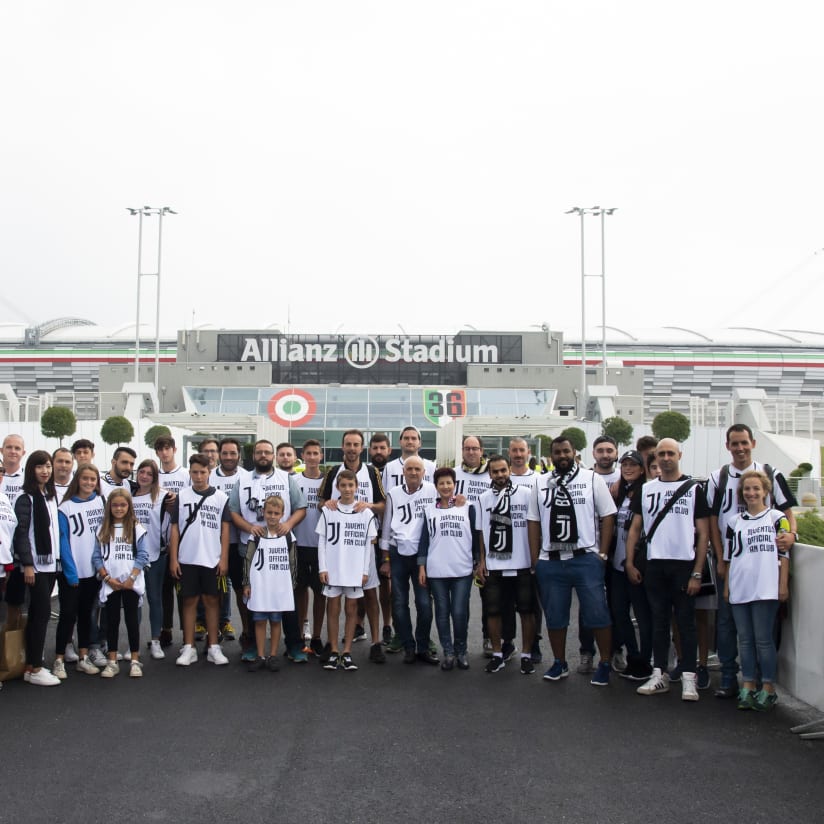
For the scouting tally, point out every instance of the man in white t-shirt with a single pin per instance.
(410, 442)
(199, 556)
(12, 484)
(676, 551)
(722, 497)
(571, 526)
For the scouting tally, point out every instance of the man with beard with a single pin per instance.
(505, 569)
(568, 552)
(286, 457)
(120, 472)
(471, 477)
(246, 504)
(380, 451)
(369, 495)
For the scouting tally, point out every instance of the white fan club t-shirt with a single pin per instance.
(305, 531)
(403, 516)
(118, 559)
(254, 489)
(108, 484)
(201, 543)
(470, 484)
(175, 480)
(393, 473)
(753, 554)
(590, 498)
(674, 537)
(226, 483)
(12, 485)
(148, 512)
(8, 522)
(528, 479)
(345, 544)
(270, 576)
(450, 540)
(781, 495)
(519, 508)
(84, 519)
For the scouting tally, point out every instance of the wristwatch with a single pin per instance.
(696, 575)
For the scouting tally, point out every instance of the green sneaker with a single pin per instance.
(764, 701)
(746, 699)
(394, 644)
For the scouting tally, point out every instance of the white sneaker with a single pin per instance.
(188, 655)
(307, 633)
(215, 655)
(110, 670)
(71, 656)
(156, 651)
(136, 670)
(97, 658)
(27, 676)
(85, 665)
(43, 678)
(659, 682)
(59, 669)
(688, 687)
(619, 660)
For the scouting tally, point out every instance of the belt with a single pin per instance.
(555, 554)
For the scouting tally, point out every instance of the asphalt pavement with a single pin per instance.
(393, 743)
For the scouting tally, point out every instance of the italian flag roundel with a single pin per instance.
(291, 407)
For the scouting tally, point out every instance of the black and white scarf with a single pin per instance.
(41, 521)
(500, 525)
(563, 524)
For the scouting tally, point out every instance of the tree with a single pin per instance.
(155, 432)
(671, 425)
(58, 422)
(618, 428)
(116, 429)
(577, 437)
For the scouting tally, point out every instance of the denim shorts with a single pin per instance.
(584, 574)
(274, 617)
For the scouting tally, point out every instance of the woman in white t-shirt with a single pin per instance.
(448, 552)
(758, 579)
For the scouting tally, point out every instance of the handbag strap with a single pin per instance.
(687, 485)
(191, 519)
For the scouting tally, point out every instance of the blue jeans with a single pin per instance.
(665, 583)
(451, 597)
(154, 593)
(405, 567)
(754, 622)
(727, 642)
(584, 574)
(624, 596)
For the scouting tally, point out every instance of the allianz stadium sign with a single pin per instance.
(363, 351)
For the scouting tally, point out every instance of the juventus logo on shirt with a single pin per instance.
(78, 524)
(259, 560)
(726, 506)
(332, 533)
(736, 545)
(654, 502)
(406, 513)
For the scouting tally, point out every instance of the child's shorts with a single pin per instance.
(348, 592)
(274, 617)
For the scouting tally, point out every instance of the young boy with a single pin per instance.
(267, 583)
(345, 544)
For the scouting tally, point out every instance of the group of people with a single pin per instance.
(636, 540)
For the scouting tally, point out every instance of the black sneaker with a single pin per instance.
(507, 650)
(429, 657)
(316, 645)
(527, 667)
(387, 635)
(347, 663)
(256, 665)
(496, 662)
(272, 663)
(360, 633)
(332, 661)
(409, 656)
(376, 654)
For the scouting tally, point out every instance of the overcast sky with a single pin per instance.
(359, 165)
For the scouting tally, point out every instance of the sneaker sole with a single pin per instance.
(548, 677)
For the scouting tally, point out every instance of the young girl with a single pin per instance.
(150, 502)
(757, 580)
(37, 548)
(119, 557)
(79, 518)
(448, 552)
(268, 584)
